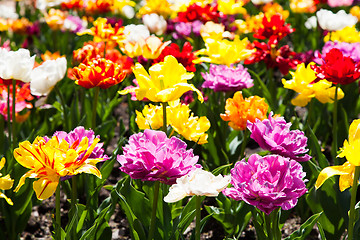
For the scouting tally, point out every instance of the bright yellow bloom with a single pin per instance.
(347, 34)
(239, 110)
(351, 148)
(167, 81)
(149, 48)
(179, 118)
(303, 6)
(187, 125)
(5, 183)
(52, 159)
(161, 7)
(224, 51)
(151, 117)
(346, 172)
(4, 25)
(104, 32)
(119, 4)
(231, 7)
(270, 9)
(181, 6)
(301, 83)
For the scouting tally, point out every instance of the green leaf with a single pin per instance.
(264, 89)
(136, 228)
(315, 147)
(305, 228)
(334, 205)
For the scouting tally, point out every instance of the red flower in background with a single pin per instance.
(274, 57)
(275, 27)
(337, 68)
(72, 5)
(185, 57)
(197, 12)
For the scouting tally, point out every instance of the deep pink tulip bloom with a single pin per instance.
(267, 182)
(151, 156)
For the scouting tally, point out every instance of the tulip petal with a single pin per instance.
(44, 188)
(328, 172)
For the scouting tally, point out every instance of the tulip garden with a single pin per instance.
(180, 119)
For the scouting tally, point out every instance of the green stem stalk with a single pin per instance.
(57, 214)
(73, 202)
(275, 215)
(9, 116)
(268, 227)
(352, 203)
(246, 135)
(164, 104)
(198, 217)
(335, 145)
(63, 105)
(96, 97)
(13, 114)
(154, 208)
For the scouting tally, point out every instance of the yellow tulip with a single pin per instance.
(191, 127)
(167, 81)
(301, 82)
(151, 117)
(351, 148)
(179, 117)
(347, 34)
(224, 52)
(346, 172)
(231, 7)
(50, 160)
(5, 183)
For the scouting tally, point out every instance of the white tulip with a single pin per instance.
(128, 11)
(155, 23)
(334, 22)
(45, 76)
(134, 32)
(311, 22)
(198, 182)
(8, 12)
(16, 64)
(44, 4)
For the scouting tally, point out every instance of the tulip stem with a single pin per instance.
(9, 117)
(275, 215)
(352, 203)
(246, 135)
(268, 227)
(335, 145)
(73, 202)
(198, 217)
(57, 214)
(13, 114)
(63, 104)
(96, 97)
(154, 208)
(164, 104)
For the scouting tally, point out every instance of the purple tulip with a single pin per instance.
(267, 182)
(274, 134)
(151, 156)
(224, 78)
